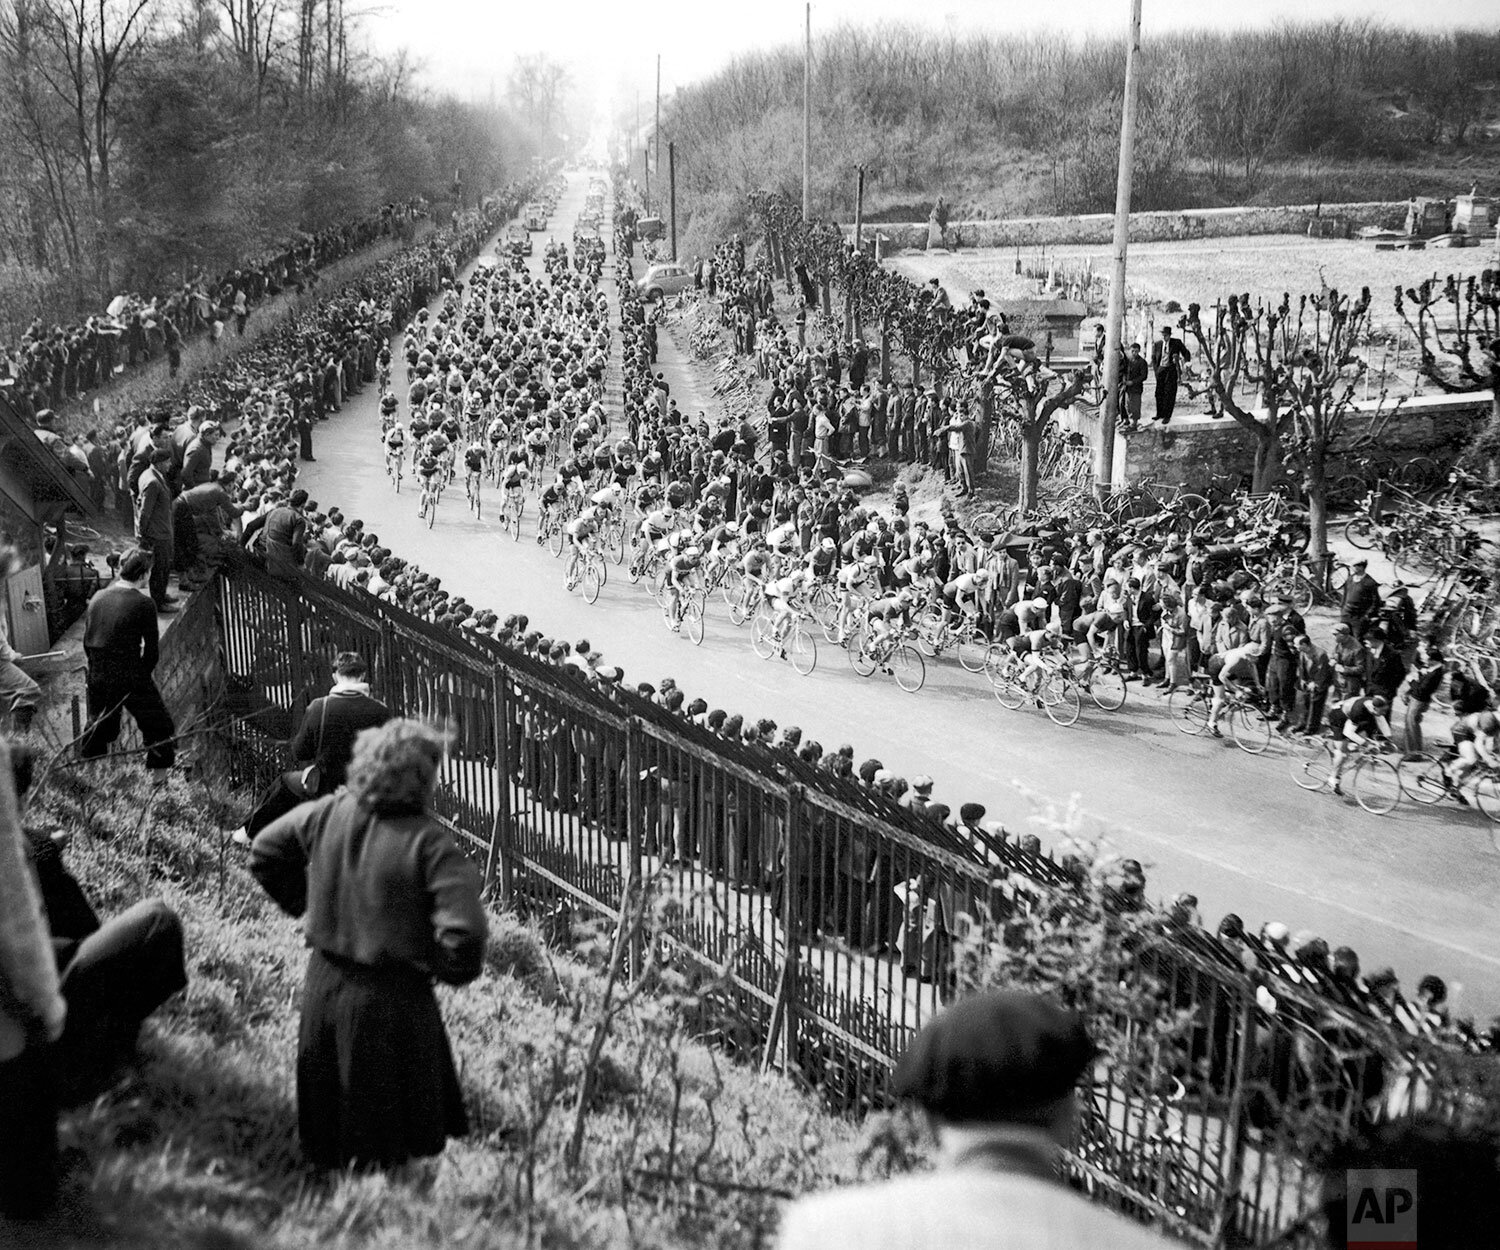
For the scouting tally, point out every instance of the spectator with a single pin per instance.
(153, 525)
(390, 904)
(121, 642)
(996, 1074)
(1361, 599)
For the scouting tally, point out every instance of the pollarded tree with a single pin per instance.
(1454, 323)
(1028, 400)
(1317, 370)
(1239, 349)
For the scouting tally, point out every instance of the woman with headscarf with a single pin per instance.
(390, 904)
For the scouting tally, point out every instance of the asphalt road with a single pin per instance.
(1415, 889)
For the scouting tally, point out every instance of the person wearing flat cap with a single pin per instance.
(996, 1074)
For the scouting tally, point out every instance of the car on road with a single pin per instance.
(664, 279)
(518, 236)
(535, 216)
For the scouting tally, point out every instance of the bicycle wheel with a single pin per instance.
(1188, 707)
(1487, 799)
(1376, 785)
(802, 650)
(659, 586)
(1009, 692)
(1313, 764)
(1107, 688)
(1360, 531)
(593, 581)
(431, 513)
(515, 521)
(614, 543)
(860, 660)
(1060, 699)
(1250, 728)
(908, 668)
(692, 619)
(763, 637)
(732, 586)
(973, 649)
(929, 631)
(1422, 778)
(742, 608)
(555, 538)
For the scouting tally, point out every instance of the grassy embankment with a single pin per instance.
(196, 1146)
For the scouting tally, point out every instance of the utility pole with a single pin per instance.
(807, 119)
(672, 190)
(1104, 469)
(646, 171)
(658, 118)
(859, 210)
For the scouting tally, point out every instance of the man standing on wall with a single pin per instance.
(1167, 355)
(1133, 373)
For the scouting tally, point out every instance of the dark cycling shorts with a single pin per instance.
(1216, 668)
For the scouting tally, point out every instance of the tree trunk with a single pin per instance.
(1266, 462)
(773, 254)
(1031, 463)
(848, 316)
(986, 430)
(1317, 505)
(885, 352)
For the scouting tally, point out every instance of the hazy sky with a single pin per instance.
(466, 44)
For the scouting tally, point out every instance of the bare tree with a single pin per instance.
(536, 87)
(1027, 399)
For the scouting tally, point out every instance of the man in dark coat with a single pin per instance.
(122, 644)
(153, 524)
(285, 541)
(1361, 599)
(326, 739)
(1167, 355)
(1385, 670)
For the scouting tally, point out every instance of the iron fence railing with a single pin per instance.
(819, 916)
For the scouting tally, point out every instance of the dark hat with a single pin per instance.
(992, 1056)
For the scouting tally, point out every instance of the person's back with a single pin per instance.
(1008, 1203)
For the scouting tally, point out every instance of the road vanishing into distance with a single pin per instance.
(1416, 889)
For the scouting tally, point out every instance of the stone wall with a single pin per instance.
(1191, 223)
(1193, 449)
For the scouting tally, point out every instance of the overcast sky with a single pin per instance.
(464, 45)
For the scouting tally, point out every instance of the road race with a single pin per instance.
(770, 601)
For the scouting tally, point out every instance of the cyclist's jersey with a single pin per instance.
(605, 498)
(756, 564)
(971, 584)
(452, 431)
(552, 494)
(418, 428)
(785, 587)
(437, 444)
(1358, 712)
(427, 466)
(854, 575)
(890, 607)
(581, 527)
(684, 564)
(395, 438)
(784, 536)
(1037, 640)
(1475, 726)
(498, 432)
(659, 522)
(474, 458)
(537, 442)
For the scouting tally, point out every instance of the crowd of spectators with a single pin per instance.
(52, 364)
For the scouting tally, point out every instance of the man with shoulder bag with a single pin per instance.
(323, 746)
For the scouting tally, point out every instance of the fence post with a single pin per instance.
(783, 1026)
(1230, 1195)
(501, 848)
(633, 835)
(395, 683)
(296, 659)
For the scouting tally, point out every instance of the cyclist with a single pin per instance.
(388, 406)
(651, 534)
(1355, 722)
(475, 459)
(395, 450)
(582, 532)
(513, 479)
(1235, 674)
(961, 596)
(438, 447)
(1033, 647)
(417, 429)
(428, 469)
(783, 538)
(1476, 739)
(779, 595)
(881, 614)
(680, 572)
(854, 580)
(536, 444)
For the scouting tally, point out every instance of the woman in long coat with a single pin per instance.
(390, 904)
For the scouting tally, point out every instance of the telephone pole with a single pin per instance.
(807, 118)
(1104, 469)
(672, 190)
(658, 118)
(859, 210)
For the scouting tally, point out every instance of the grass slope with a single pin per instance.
(196, 1146)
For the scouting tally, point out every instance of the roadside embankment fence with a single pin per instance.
(819, 917)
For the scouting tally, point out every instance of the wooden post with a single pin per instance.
(672, 191)
(859, 211)
(633, 831)
(500, 862)
(782, 1032)
(1104, 469)
(807, 119)
(646, 173)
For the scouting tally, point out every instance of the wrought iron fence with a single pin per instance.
(821, 914)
